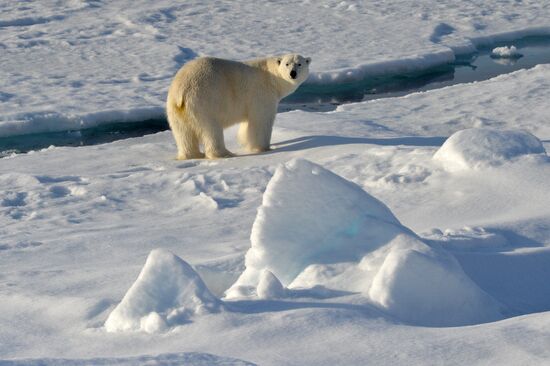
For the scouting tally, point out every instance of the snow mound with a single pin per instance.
(428, 287)
(269, 286)
(411, 281)
(167, 292)
(311, 215)
(482, 147)
(506, 52)
(315, 228)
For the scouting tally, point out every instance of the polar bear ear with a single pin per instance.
(308, 60)
(278, 61)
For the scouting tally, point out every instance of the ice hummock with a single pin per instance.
(167, 292)
(426, 286)
(506, 52)
(476, 148)
(315, 228)
(311, 215)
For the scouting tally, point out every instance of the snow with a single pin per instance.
(77, 223)
(308, 242)
(427, 287)
(167, 292)
(477, 148)
(489, 104)
(269, 286)
(468, 239)
(173, 359)
(104, 62)
(97, 212)
(294, 228)
(506, 52)
(409, 281)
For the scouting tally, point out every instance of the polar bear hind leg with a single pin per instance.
(214, 145)
(186, 138)
(188, 143)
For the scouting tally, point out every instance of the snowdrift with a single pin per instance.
(315, 228)
(167, 292)
(477, 148)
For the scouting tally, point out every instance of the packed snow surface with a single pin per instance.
(477, 148)
(77, 224)
(171, 359)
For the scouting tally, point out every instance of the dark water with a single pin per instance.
(90, 136)
(477, 66)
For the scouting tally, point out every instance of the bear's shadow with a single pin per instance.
(314, 141)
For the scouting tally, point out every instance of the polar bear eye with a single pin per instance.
(299, 65)
(286, 64)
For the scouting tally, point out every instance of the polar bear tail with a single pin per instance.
(186, 139)
(175, 112)
(180, 103)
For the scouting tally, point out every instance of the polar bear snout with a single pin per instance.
(293, 68)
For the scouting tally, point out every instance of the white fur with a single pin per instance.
(210, 94)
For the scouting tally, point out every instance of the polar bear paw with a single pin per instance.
(198, 155)
(219, 154)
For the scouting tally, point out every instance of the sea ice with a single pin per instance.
(105, 62)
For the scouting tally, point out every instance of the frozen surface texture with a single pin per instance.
(171, 359)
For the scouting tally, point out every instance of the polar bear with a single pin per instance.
(209, 94)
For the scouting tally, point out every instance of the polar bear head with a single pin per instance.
(293, 68)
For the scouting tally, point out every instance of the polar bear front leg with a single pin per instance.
(214, 145)
(256, 134)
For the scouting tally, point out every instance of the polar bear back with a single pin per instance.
(223, 88)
